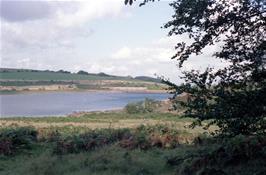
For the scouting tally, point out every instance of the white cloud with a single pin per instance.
(49, 38)
(24, 61)
(17, 11)
(158, 51)
(156, 59)
(89, 10)
(57, 26)
(52, 41)
(201, 62)
(122, 53)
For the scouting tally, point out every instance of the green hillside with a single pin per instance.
(24, 74)
(28, 79)
(146, 78)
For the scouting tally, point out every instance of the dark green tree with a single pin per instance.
(234, 97)
(82, 72)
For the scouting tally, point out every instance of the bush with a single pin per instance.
(146, 106)
(221, 155)
(90, 140)
(14, 139)
(143, 137)
(159, 136)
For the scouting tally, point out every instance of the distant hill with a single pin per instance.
(62, 75)
(19, 80)
(47, 75)
(146, 78)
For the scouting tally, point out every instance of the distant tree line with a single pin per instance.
(82, 72)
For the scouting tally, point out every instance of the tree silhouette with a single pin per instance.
(234, 97)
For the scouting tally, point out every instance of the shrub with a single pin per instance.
(90, 140)
(14, 139)
(160, 136)
(221, 155)
(143, 137)
(146, 106)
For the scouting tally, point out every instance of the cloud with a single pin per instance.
(155, 58)
(157, 51)
(66, 13)
(24, 10)
(48, 34)
(122, 53)
(89, 10)
(60, 35)
(50, 24)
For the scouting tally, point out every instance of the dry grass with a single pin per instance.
(99, 124)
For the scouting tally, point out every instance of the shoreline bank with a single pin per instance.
(80, 90)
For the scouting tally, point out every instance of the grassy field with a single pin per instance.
(141, 139)
(104, 117)
(41, 76)
(106, 159)
(33, 80)
(116, 142)
(26, 74)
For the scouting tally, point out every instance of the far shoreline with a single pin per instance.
(77, 90)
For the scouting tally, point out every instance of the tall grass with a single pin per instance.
(144, 150)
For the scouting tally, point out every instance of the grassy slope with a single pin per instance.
(241, 156)
(102, 117)
(52, 76)
(104, 161)
(91, 81)
(102, 120)
(111, 159)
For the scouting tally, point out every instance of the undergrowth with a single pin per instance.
(143, 150)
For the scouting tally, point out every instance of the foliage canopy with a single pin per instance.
(234, 97)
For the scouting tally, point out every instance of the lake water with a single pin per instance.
(62, 103)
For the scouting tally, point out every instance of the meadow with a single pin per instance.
(23, 75)
(132, 141)
(12, 80)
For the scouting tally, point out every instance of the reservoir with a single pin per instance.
(63, 103)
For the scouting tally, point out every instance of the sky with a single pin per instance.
(94, 36)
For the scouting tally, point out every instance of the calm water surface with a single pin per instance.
(62, 103)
